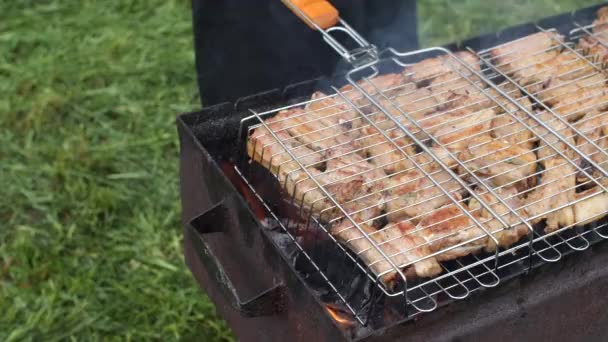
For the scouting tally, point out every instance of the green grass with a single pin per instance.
(90, 233)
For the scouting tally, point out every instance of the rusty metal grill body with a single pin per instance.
(459, 277)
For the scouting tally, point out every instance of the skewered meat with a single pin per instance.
(500, 162)
(395, 242)
(447, 227)
(505, 236)
(557, 188)
(411, 193)
(424, 71)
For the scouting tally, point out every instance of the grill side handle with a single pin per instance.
(267, 303)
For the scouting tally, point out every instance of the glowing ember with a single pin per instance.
(338, 316)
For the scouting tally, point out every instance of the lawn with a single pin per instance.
(90, 235)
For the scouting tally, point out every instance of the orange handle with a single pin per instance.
(321, 12)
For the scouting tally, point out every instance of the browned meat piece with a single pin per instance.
(602, 14)
(592, 208)
(333, 112)
(429, 163)
(556, 188)
(430, 68)
(405, 106)
(449, 226)
(314, 131)
(263, 148)
(556, 88)
(416, 104)
(516, 58)
(388, 84)
(499, 162)
(565, 66)
(266, 150)
(343, 160)
(517, 229)
(505, 126)
(353, 182)
(384, 154)
(402, 248)
(596, 46)
(454, 91)
(412, 194)
(573, 99)
(592, 127)
(348, 177)
(583, 101)
(305, 192)
(509, 130)
(459, 128)
(544, 151)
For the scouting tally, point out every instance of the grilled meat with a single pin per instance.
(505, 236)
(411, 193)
(557, 188)
(575, 99)
(592, 127)
(518, 58)
(447, 227)
(592, 208)
(312, 130)
(554, 142)
(461, 127)
(388, 84)
(266, 150)
(509, 130)
(424, 71)
(334, 113)
(394, 241)
(383, 153)
(454, 91)
(353, 182)
(596, 45)
(499, 162)
(565, 66)
(416, 104)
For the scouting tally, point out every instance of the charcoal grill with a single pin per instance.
(273, 269)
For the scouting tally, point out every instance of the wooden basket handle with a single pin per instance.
(314, 12)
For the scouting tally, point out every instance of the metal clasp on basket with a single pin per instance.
(365, 53)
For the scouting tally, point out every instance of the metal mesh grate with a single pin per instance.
(450, 175)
